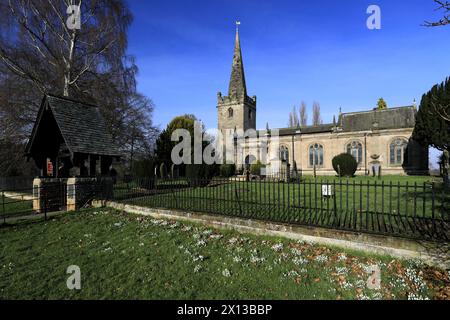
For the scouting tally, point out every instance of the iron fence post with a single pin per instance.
(45, 205)
(3, 207)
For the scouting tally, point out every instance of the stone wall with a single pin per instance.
(373, 143)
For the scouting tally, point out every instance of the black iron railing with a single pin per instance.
(17, 203)
(417, 210)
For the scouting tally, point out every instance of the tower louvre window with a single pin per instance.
(230, 113)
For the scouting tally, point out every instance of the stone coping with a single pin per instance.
(431, 253)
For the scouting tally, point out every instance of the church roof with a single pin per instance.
(393, 118)
(237, 87)
(81, 125)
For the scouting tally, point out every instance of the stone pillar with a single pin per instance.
(37, 204)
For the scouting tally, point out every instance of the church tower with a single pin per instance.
(237, 110)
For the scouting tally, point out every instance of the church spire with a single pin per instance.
(237, 87)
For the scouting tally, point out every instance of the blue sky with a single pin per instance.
(292, 51)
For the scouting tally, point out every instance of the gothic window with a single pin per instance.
(250, 114)
(316, 155)
(230, 113)
(397, 151)
(284, 154)
(355, 149)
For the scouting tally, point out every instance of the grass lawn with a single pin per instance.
(13, 206)
(361, 204)
(123, 256)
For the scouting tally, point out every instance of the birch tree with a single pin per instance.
(44, 48)
(445, 20)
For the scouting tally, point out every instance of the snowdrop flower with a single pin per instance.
(299, 261)
(321, 258)
(296, 252)
(277, 247)
(342, 257)
(197, 268)
(201, 243)
(237, 259)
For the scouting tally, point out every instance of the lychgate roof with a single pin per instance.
(82, 126)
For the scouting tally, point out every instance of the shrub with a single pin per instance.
(256, 167)
(198, 174)
(143, 168)
(345, 165)
(227, 170)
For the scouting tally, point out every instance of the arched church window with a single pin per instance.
(316, 155)
(284, 154)
(397, 151)
(356, 150)
(230, 113)
(250, 114)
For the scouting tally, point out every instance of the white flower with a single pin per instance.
(198, 258)
(413, 296)
(342, 257)
(174, 225)
(201, 243)
(277, 247)
(233, 240)
(197, 268)
(237, 259)
(299, 261)
(321, 258)
(341, 271)
(296, 252)
(346, 285)
(256, 259)
(291, 273)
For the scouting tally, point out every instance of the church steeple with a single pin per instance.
(236, 110)
(237, 88)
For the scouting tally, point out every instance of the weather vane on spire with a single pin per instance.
(238, 23)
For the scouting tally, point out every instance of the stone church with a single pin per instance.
(376, 138)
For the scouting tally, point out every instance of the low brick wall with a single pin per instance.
(436, 254)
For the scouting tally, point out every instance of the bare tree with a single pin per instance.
(303, 114)
(317, 119)
(444, 6)
(40, 53)
(293, 118)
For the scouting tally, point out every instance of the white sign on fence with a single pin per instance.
(327, 190)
